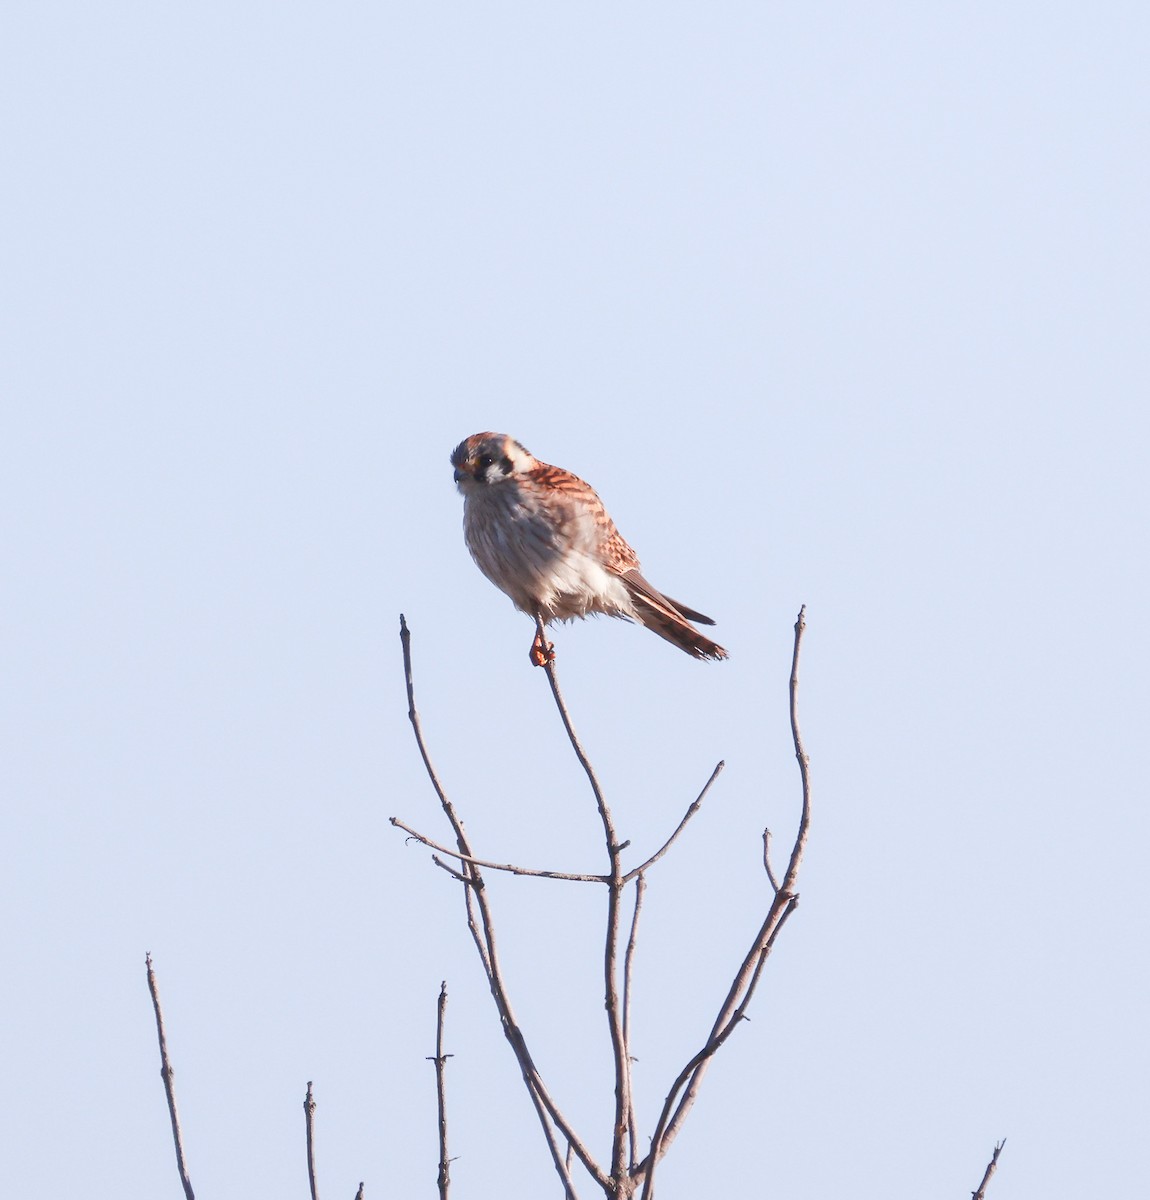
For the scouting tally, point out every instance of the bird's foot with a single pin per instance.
(542, 652)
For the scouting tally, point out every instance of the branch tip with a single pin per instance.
(309, 1127)
(991, 1167)
(166, 1073)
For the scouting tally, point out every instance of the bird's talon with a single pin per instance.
(542, 653)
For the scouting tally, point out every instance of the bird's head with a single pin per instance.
(486, 459)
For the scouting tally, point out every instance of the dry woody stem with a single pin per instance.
(166, 1075)
(443, 1179)
(309, 1122)
(991, 1167)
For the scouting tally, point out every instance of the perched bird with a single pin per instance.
(542, 535)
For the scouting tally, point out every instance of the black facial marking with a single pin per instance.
(505, 465)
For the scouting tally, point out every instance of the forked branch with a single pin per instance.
(625, 1175)
(481, 925)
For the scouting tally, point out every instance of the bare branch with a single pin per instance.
(562, 1162)
(481, 925)
(309, 1121)
(494, 866)
(475, 928)
(791, 877)
(991, 1167)
(166, 1073)
(625, 1174)
(580, 754)
(440, 1060)
(628, 975)
(746, 979)
(617, 882)
(691, 1075)
(696, 804)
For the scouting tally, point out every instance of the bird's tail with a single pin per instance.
(669, 619)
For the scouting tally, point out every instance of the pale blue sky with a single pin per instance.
(843, 305)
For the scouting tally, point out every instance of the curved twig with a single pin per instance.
(691, 1076)
(731, 1012)
(494, 866)
(695, 805)
(800, 845)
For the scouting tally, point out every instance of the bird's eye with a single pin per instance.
(485, 460)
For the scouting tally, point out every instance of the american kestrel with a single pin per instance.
(542, 535)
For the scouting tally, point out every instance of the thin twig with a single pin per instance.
(440, 1060)
(481, 925)
(991, 1167)
(622, 1060)
(494, 866)
(628, 976)
(461, 878)
(691, 1075)
(791, 877)
(746, 978)
(169, 1089)
(309, 1122)
(767, 861)
(580, 753)
(695, 805)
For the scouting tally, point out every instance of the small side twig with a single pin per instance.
(628, 970)
(991, 1167)
(767, 861)
(166, 1075)
(440, 1060)
(309, 1121)
(695, 805)
(458, 876)
(511, 868)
